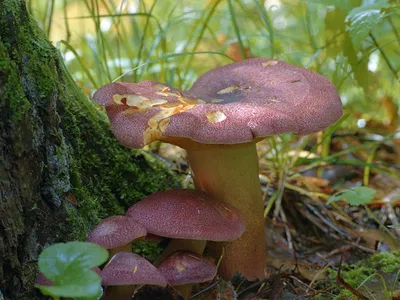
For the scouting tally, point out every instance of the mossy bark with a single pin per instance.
(61, 169)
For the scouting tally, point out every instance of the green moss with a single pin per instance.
(84, 160)
(14, 95)
(149, 250)
(356, 274)
(106, 177)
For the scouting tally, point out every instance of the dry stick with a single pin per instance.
(316, 276)
(277, 288)
(206, 289)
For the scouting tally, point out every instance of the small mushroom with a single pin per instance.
(182, 268)
(116, 234)
(188, 214)
(126, 271)
(218, 121)
(189, 217)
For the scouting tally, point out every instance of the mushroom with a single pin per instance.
(190, 216)
(125, 271)
(183, 268)
(218, 121)
(116, 234)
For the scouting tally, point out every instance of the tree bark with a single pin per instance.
(61, 169)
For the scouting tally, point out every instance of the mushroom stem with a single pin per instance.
(125, 248)
(174, 245)
(119, 292)
(230, 174)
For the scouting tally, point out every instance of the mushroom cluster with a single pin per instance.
(218, 121)
(186, 216)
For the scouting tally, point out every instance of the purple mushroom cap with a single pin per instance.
(115, 232)
(188, 214)
(184, 267)
(237, 103)
(126, 268)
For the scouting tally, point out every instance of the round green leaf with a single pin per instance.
(59, 261)
(355, 196)
(85, 284)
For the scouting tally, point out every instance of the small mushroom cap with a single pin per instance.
(237, 103)
(188, 214)
(115, 232)
(126, 268)
(184, 267)
(43, 280)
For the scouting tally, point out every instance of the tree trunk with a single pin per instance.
(61, 169)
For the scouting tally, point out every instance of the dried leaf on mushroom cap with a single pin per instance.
(236, 103)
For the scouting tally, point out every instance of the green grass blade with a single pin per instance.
(165, 57)
(236, 28)
(81, 63)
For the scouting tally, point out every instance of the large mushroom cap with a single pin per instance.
(236, 103)
(115, 232)
(127, 268)
(184, 267)
(188, 214)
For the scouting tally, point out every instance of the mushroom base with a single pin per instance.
(124, 248)
(230, 174)
(119, 292)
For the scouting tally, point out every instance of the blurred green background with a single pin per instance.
(356, 44)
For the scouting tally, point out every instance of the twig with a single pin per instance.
(287, 231)
(277, 288)
(206, 289)
(341, 281)
(327, 222)
(316, 276)
(363, 248)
